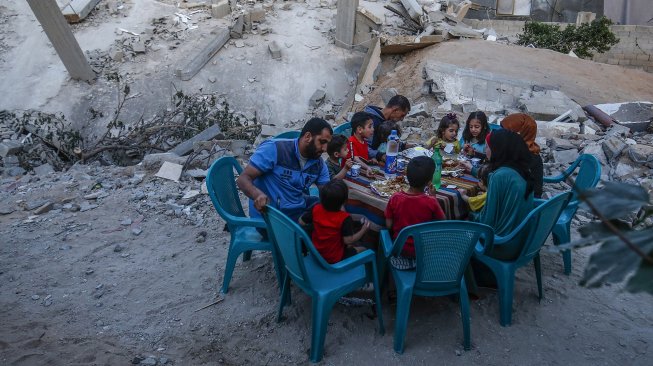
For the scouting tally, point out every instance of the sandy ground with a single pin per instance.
(79, 288)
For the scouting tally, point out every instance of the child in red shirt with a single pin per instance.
(333, 234)
(362, 130)
(412, 207)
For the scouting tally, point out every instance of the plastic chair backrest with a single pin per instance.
(343, 129)
(589, 173)
(443, 250)
(288, 135)
(539, 223)
(288, 237)
(221, 184)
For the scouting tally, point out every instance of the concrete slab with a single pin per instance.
(170, 171)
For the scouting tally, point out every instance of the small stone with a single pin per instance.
(44, 169)
(136, 360)
(239, 44)
(212, 79)
(118, 248)
(6, 210)
(150, 361)
(275, 50)
(35, 297)
(89, 271)
(10, 148)
(87, 206)
(138, 47)
(126, 222)
(44, 209)
(138, 195)
(71, 207)
(458, 353)
(137, 231)
(163, 360)
(201, 237)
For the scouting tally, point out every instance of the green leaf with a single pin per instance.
(616, 200)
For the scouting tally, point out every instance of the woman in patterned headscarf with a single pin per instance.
(526, 127)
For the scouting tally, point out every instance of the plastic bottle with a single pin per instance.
(392, 150)
(437, 158)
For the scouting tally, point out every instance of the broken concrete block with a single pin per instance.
(77, 10)
(641, 154)
(617, 130)
(43, 169)
(317, 98)
(413, 8)
(257, 14)
(635, 115)
(560, 144)
(236, 30)
(170, 171)
(139, 47)
(613, 147)
(10, 148)
(154, 161)
(565, 156)
(548, 105)
(387, 94)
(221, 9)
(275, 50)
(117, 55)
(595, 149)
(420, 109)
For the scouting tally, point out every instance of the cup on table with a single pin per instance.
(355, 170)
(476, 162)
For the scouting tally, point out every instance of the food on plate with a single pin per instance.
(449, 164)
(387, 188)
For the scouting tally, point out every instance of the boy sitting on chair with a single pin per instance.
(412, 207)
(334, 234)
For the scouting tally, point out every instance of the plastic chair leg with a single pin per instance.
(247, 255)
(232, 256)
(464, 314)
(321, 311)
(404, 299)
(538, 275)
(506, 283)
(285, 295)
(561, 236)
(377, 297)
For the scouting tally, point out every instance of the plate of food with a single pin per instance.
(388, 187)
(414, 152)
(450, 164)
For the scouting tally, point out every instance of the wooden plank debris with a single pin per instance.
(195, 65)
(187, 146)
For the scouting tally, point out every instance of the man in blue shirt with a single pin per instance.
(281, 170)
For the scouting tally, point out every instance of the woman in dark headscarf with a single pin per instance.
(510, 184)
(526, 127)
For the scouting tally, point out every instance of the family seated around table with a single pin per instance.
(281, 171)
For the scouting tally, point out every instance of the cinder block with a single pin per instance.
(220, 9)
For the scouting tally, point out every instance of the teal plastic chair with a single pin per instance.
(343, 129)
(288, 135)
(589, 174)
(221, 184)
(443, 250)
(526, 240)
(325, 283)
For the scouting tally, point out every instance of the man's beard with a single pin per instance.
(311, 150)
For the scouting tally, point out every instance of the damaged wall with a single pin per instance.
(635, 12)
(544, 10)
(634, 49)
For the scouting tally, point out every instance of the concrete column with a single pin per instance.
(56, 28)
(346, 23)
